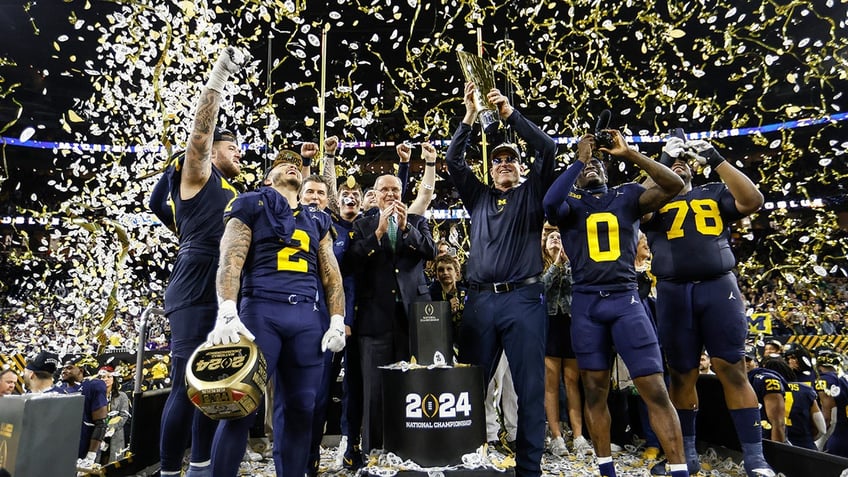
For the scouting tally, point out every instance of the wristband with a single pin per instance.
(429, 163)
(427, 186)
(307, 161)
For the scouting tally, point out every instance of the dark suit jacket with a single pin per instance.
(382, 273)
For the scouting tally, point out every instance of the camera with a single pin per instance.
(604, 139)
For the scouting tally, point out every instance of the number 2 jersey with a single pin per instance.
(270, 254)
(690, 235)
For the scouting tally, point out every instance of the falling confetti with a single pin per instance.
(392, 75)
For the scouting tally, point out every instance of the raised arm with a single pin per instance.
(198, 163)
(748, 198)
(428, 181)
(554, 203)
(308, 150)
(666, 184)
(331, 144)
(542, 144)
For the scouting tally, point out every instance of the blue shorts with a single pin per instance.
(601, 320)
(559, 337)
(706, 314)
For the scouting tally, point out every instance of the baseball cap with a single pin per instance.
(86, 363)
(222, 134)
(44, 361)
(506, 147)
(750, 352)
(286, 156)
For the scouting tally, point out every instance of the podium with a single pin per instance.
(430, 330)
(35, 425)
(433, 416)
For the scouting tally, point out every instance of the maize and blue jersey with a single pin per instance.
(271, 252)
(765, 381)
(690, 236)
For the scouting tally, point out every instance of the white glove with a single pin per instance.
(229, 62)
(228, 326)
(673, 147)
(705, 153)
(334, 338)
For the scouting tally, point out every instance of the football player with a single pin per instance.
(600, 229)
(282, 255)
(698, 300)
(198, 189)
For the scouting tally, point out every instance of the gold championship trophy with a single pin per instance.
(482, 74)
(227, 381)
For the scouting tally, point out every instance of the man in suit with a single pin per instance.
(388, 250)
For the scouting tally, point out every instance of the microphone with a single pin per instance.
(603, 120)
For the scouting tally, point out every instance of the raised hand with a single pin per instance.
(404, 151)
(673, 148)
(705, 152)
(428, 152)
(308, 150)
(229, 62)
(502, 102)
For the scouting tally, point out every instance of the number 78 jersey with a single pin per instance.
(690, 236)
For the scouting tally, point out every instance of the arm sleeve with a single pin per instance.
(555, 203)
(542, 144)
(460, 174)
(403, 175)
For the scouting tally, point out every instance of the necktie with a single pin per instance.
(393, 228)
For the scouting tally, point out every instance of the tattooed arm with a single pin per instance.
(234, 247)
(331, 276)
(329, 172)
(198, 157)
(198, 161)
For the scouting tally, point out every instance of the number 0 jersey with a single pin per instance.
(690, 236)
(600, 235)
(276, 268)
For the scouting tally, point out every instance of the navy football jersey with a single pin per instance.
(765, 381)
(199, 226)
(269, 254)
(600, 235)
(799, 423)
(690, 236)
(837, 388)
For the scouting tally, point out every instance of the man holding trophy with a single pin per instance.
(504, 309)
